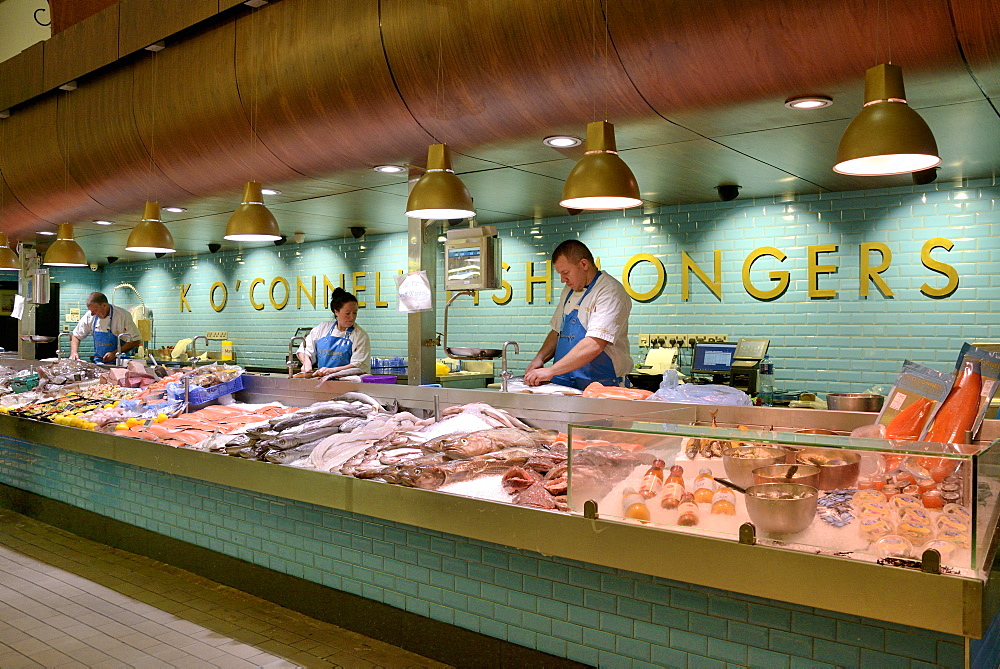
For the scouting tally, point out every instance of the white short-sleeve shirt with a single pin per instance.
(604, 313)
(360, 345)
(117, 322)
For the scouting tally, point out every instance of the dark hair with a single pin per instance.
(339, 298)
(97, 298)
(574, 251)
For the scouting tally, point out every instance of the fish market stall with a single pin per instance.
(402, 547)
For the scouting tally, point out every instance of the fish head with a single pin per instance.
(428, 478)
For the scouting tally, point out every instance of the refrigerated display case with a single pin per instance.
(871, 500)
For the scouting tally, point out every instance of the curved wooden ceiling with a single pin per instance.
(308, 95)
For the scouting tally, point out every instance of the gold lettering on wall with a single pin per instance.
(780, 277)
(270, 292)
(378, 291)
(225, 296)
(815, 269)
(328, 288)
(532, 279)
(253, 284)
(185, 287)
(358, 287)
(688, 266)
(871, 274)
(300, 289)
(661, 277)
(507, 292)
(939, 267)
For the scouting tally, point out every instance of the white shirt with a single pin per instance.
(119, 320)
(604, 313)
(360, 345)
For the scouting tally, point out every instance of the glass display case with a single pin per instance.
(876, 500)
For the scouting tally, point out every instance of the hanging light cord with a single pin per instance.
(152, 129)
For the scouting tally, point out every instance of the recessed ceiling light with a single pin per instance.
(808, 102)
(389, 169)
(174, 210)
(562, 141)
(47, 233)
(270, 191)
(104, 222)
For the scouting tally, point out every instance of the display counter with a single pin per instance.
(506, 571)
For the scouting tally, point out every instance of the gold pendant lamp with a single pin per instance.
(601, 180)
(65, 252)
(252, 221)
(8, 259)
(151, 235)
(887, 136)
(439, 194)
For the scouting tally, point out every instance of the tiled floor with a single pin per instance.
(70, 602)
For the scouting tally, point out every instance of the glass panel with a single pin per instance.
(865, 499)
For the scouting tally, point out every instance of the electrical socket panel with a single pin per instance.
(678, 340)
(217, 334)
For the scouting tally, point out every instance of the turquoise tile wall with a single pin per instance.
(844, 343)
(591, 614)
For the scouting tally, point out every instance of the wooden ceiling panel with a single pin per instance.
(21, 76)
(81, 48)
(977, 25)
(138, 32)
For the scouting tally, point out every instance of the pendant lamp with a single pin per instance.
(601, 180)
(151, 235)
(252, 221)
(887, 136)
(65, 252)
(8, 259)
(439, 194)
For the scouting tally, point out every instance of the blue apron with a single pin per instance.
(105, 342)
(334, 351)
(600, 369)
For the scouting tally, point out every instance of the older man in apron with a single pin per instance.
(589, 336)
(105, 322)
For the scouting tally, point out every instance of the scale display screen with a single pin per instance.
(472, 263)
(713, 358)
(752, 349)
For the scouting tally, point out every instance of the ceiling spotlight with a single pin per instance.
(47, 233)
(174, 210)
(112, 260)
(389, 169)
(808, 102)
(270, 191)
(562, 141)
(213, 247)
(281, 240)
(104, 222)
(728, 192)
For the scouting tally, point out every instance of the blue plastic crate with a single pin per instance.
(198, 395)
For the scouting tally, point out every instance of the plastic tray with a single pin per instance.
(22, 384)
(378, 378)
(199, 395)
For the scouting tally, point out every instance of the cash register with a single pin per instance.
(746, 364)
(712, 359)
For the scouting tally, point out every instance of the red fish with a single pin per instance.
(958, 413)
(909, 422)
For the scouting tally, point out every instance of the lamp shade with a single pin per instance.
(252, 221)
(887, 136)
(151, 235)
(439, 194)
(600, 180)
(8, 259)
(65, 252)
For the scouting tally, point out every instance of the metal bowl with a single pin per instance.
(740, 469)
(473, 353)
(774, 515)
(804, 474)
(37, 339)
(854, 402)
(837, 469)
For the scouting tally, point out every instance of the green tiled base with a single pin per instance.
(562, 607)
